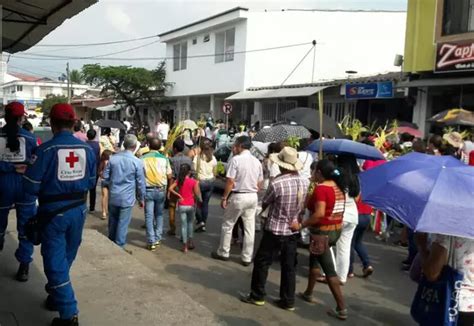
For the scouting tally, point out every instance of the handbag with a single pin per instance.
(35, 225)
(318, 244)
(435, 303)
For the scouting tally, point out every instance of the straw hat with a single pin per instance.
(454, 139)
(287, 159)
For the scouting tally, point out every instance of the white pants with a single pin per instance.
(343, 250)
(244, 206)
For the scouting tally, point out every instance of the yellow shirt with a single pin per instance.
(157, 169)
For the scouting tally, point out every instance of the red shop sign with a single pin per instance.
(454, 57)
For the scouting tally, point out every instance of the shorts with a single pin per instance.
(325, 260)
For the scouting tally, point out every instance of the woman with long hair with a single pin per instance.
(347, 164)
(205, 165)
(325, 224)
(186, 189)
(16, 152)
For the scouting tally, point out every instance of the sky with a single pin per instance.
(112, 20)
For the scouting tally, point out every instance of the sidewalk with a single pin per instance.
(112, 287)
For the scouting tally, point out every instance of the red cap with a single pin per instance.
(62, 111)
(16, 109)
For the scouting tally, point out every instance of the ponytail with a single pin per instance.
(330, 172)
(11, 129)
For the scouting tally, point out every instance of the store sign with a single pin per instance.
(454, 57)
(369, 90)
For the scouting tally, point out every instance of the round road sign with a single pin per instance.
(227, 108)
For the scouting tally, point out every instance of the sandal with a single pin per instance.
(308, 298)
(339, 314)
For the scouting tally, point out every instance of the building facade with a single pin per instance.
(217, 57)
(439, 57)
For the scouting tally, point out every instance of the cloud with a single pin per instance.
(117, 16)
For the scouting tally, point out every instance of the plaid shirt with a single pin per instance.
(286, 197)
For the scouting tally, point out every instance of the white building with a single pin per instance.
(233, 51)
(32, 90)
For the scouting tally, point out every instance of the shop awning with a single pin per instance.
(276, 93)
(27, 22)
(437, 82)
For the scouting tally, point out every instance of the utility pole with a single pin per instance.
(68, 83)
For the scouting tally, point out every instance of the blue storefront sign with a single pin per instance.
(369, 90)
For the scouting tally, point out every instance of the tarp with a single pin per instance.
(276, 93)
(25, 23)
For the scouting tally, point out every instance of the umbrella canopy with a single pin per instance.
(427, 193)
(281, 132)
(310, 119)
(454, 117)
(409, 130)
(189, 124)
(25, 23)
(345, 146)
(110, 124)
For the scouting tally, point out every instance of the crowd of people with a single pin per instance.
(292, 196)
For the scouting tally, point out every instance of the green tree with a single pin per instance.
(50, 100)
(76, 77)
(131, 86)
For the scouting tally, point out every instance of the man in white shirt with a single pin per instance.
(163, 129)
(244, 178)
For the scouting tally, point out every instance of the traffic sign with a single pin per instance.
(227, 108)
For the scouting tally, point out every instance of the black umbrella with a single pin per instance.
(277, 133)
(105, 123)
(310, 119)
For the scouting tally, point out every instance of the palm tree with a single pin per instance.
(76, 77)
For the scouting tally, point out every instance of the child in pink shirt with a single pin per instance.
(186, 189)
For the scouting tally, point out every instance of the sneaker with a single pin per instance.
(339, 314)
(157, 243)
(22, 274)
(200, 226)
(152, 247)
(74, 321)
(203, 229)
(367, 271)
(215, 255)
(280, 304)
(249, 299)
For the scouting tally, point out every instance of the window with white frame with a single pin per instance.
(180, 56)
(225, 43)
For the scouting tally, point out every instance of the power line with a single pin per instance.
(90, 57)
(296, 67)
(53, 58)
(97, 44)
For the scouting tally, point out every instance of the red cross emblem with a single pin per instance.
(72, 159)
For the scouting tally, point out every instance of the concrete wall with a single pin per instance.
(366, 42)
(203, 75)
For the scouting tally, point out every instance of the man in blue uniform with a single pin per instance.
(61, 172)
(16, 147)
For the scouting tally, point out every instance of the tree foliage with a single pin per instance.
(76, 77)
(51, 100)
(130, 85)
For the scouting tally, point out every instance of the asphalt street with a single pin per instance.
(382, 299)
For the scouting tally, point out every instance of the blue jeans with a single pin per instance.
(60, 240)
(186, 213)
(358, 245)
(119, 219)
(154, 206)
(207, 187)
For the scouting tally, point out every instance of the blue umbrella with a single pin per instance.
(431, 194)
(345, 146)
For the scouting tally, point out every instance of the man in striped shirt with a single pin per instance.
(286, 197)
